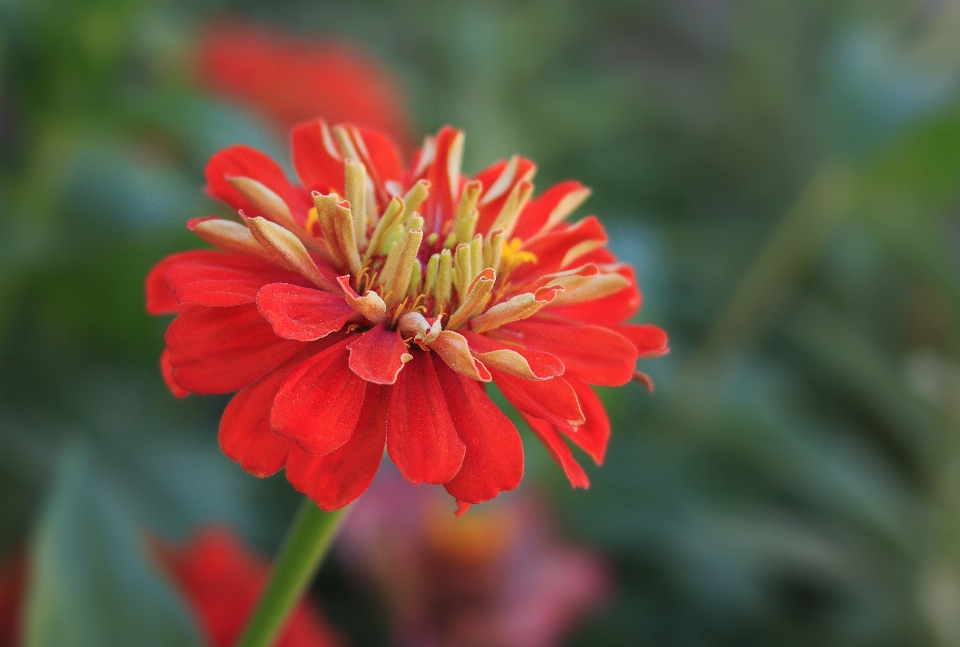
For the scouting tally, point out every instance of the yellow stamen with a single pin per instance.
(313, 222)
(511, 256)
(417, 304)
(400, 310)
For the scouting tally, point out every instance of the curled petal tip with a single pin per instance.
(645, 380)
(454, 349)
(370, 305)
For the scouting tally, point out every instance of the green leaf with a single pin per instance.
(92, 582)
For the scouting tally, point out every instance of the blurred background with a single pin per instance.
(785, 178)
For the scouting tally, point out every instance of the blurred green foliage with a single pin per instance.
(784, 176)
(91, 583)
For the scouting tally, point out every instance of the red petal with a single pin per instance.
(286, 79)
(245, 433)
(560, 451)
(650, 340)
(219, 350)
(551, 248)
(553, 400)
(166, 369)
(592, 436)
(493, 461)
(377, 355)
(608, 310)
(444, 187)
(490, 210)
(159, 299)
(593, 354)
(536, 214)
(489, 175)
(599, 256)
(319, 402)
(244, 161)
(421, 438)
(335, 479)
(213, 278)
(317, 167)
(383, 155)
(302, 313)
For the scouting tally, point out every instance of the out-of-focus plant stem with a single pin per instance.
(802, 233)
(304, 548)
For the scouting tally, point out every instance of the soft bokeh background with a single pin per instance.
(784, 175)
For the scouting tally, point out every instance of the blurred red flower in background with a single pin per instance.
(495, 578)
(13, 583)
(220, 579)
(371, 304)
(289, 80)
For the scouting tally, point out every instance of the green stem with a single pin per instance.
(304, 548)
(800, 236)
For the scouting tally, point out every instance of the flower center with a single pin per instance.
(447, 276)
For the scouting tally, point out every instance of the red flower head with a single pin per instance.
(371, 305)
(289, 80)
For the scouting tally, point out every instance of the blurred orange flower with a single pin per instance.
(288, 80)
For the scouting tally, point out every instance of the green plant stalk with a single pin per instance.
(304, 548)
(800, 236)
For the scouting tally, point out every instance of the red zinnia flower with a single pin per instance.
(289, 80)
(370, 305)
